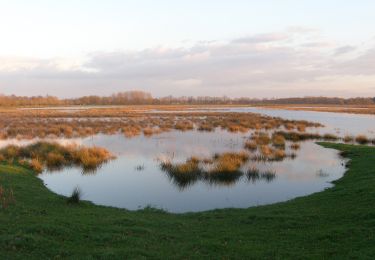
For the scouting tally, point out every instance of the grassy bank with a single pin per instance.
(339, 222)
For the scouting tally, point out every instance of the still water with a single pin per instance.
(134, 180)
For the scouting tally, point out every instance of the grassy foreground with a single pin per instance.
(339, 223)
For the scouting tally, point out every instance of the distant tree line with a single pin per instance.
(144, 98)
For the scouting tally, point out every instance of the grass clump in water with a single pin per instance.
(39, 155)
(295, 146)
(362, 139)
(261, 138)
(330, 137)
(220, 169)
(278, 141)
(182, 174)
(229, 162)
(297, 136)
(348, 139)
(250, 145)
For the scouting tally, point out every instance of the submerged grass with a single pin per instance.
(336, 223)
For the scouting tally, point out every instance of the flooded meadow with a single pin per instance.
(187, 160)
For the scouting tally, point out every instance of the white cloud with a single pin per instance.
(264, 65)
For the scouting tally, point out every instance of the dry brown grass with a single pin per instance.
(251, 145)
(224, 169)
(362, 139)
(278, 141)
(39, 155)
(229, 162)
(36, 165)
(28, 124)
(295, 146)
(261, 138)
(348, 139)
(352, 109)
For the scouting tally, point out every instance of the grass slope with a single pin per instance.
(339, 223)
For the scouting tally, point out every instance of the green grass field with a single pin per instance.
(336, 223)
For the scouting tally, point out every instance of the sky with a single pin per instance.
(269, 48)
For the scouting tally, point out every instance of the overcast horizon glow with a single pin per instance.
(236, 48)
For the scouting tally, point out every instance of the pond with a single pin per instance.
(135, 179)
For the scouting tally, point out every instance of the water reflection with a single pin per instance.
(120, 184)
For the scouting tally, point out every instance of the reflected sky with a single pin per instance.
(335, 123)
(119, 184)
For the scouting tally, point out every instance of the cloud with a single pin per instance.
(261, 65)
(263, 38)
(344, 50)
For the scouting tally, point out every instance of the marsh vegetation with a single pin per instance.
(221, 169)
(54, 156)
(29, 124)
(205, 152)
